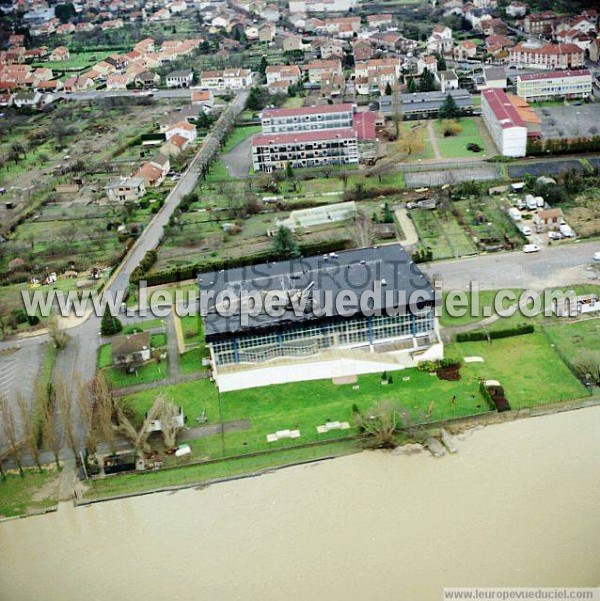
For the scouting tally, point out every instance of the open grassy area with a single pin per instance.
(293, 103)
(578, 340)
(454, 147)
(144, 374)
(528, 368)
(33, 492)
(414, 142)
(198, 473)
(306, 405)
(239, 134)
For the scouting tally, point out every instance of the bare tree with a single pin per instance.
(9, 430)
(381, 423)
(87, 412)
(29, 419)
(169, 426)
(64, 404)
(104, 404)
(57, 333)
(49, 416)
(139, 439)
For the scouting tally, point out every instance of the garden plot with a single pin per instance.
(437, 177)
(443, 235)
(539, 169)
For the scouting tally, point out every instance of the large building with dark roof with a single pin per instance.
(388, 319)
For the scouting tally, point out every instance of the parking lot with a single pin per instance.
(570, 121)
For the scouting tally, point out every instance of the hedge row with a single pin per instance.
(480, 335)
(144, 266)
(191, 271)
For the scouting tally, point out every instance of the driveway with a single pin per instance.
(239, 160)
(557, 265)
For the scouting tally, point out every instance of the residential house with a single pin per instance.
(203, 98)
(465, 50)
(288, 74)
(226, 80)
(60, 53)
(549, 219)
(65, 29)
(291, 43)
(516, 9)
(174, 146)
(362, 50)
(427, 62)
(539, 23)
(78, 84)
(380, 21)
(492, 78)
(317, 69)
(131, 350)
(147, 79)
(125, 189)
(266, 33)
(154, 172)
(440, 40)
(184, 129)
(180, 79)
(448, 80)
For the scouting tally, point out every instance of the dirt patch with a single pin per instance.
(48, 491)
(451, 373)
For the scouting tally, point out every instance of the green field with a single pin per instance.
(528, 368)
(238, 135)
(33, 492)
(578, 340)
(455, 147)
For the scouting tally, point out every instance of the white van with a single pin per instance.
(526, 230)
(514, 214)
(531, 248)
(566, 231)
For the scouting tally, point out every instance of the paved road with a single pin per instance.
(77, 363)
(558, 265)
(95, 94)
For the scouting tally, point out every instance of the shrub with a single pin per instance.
(450, 128)
(480, 335)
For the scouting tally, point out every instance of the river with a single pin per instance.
(519, 505)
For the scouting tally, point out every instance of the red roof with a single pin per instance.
(364, 123)
(553, 74)
(304, 136)
(505, 113)
(309, 110)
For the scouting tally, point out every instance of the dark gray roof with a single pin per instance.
(181, 73)
(494, 73)
(426, 101)
(353, 270)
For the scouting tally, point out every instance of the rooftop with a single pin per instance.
(308, 110)
(352, 270)
(321, 135)
(554, 74)
(504, 111)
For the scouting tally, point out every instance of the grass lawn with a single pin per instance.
(146, 373)
(238, 135)
(455, 147)
(198, 473)
(218, 172)
(306, 405)
(474, 312)
(293, 103)
(577, 340)
(421, 148)
(142, 326)
(34, 491)
(528, 368)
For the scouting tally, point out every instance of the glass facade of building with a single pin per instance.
(309, 338)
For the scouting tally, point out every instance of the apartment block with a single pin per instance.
(555, 85)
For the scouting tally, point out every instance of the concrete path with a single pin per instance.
(172, 347)
(434, 141)
(408, 228)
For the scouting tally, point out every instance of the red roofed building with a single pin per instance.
(504, 123)
(305, 149)
(548, 56)
(310, 118)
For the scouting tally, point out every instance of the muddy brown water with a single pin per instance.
(519, 505)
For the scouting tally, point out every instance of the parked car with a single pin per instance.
(526, 230)
(531, 248)
(555, 236)
(596, 256)
(566, 230)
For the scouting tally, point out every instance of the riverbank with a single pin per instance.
(519, 505)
